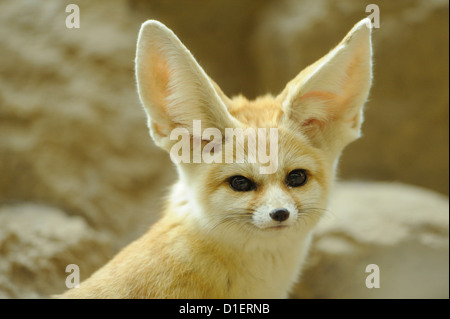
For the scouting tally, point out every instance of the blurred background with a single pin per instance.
(79, 174)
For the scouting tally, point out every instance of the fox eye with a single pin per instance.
(296, 178)
(241, 184)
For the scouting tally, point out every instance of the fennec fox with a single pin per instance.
(230, 229)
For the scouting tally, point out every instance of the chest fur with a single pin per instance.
(268, 272)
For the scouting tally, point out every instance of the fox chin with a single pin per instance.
(229, 228)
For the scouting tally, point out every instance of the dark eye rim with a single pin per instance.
(303, 171)
(252, 183)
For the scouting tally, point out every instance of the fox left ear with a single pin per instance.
(173, 88)
(326, 99)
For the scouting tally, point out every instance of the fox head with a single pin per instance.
(317, 114)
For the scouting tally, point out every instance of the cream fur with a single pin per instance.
(212, 241)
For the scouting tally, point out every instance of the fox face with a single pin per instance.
(304, 129)
(237, 196)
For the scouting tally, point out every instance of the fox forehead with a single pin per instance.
(264, 111)
(294, 152)
(294, 148)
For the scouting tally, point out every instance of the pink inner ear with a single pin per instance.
(157, 80)
(333, 106)
(320, 95)
(313, 122)
(328, 111)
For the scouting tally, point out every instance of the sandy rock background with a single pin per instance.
(80, 177)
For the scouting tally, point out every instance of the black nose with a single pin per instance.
(279, 214)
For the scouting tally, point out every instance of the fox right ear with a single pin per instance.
(325, 101)
(172, 86)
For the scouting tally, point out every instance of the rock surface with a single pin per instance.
(38, 242)
(401, 229)
(80, 177)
